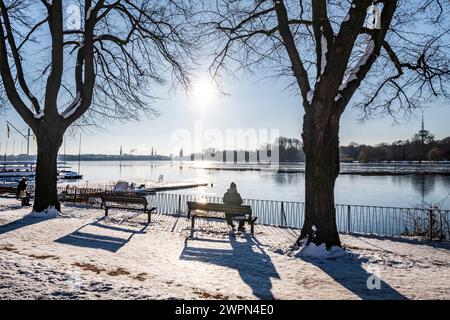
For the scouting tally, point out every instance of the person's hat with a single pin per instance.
(233, 185)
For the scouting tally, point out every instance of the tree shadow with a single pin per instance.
(87, 239)
(23, 222)
(349, 272)
(406, 240)
(254, 266)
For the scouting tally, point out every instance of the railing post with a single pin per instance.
(349, 216)
(283, 216)
(431, 223)
(179, 204)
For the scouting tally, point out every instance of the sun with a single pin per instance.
(204, 93)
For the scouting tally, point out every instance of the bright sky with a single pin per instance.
(258, 106)
(254, 112)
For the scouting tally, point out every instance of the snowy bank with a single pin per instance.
(82, 255)
(320, 252)
(49, 213)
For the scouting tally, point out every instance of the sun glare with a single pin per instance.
(204, 93)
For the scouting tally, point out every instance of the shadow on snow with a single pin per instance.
(349, 272)
(254, 266)
(89, 239)
(23, 222)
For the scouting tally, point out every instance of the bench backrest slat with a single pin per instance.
(8, 189)
(219, 207)
(124, 199)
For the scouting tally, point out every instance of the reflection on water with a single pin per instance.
(423, 185)
(404, 191)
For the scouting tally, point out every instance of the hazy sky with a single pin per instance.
(251, 104)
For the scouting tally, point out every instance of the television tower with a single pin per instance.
(423, 133)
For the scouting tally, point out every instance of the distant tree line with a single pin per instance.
(419, 148)
(289, 149)
(90, 157)
(104, 157)
(422, 147)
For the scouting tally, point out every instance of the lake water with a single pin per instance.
(384, 190)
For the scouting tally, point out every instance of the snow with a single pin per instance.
(320, 252)
(40, 115)
(89, 12)
(49, 213)
(80, 254)
(73, 107)
(324, 45)
(347, 18)
(121, 186)
(310, 96)
(353, 73)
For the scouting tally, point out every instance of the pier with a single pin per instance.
(170, 186)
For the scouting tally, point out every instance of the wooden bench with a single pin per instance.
(8, 190)
(237, 212)
(126, 202)
(81, 196)
(25, 200)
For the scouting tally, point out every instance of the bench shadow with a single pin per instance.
(254, 266)
(86, 239)
(349, 272)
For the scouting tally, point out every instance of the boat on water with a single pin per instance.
(69, 175)
(13, 171)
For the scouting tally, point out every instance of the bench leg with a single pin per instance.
(106, 211)
(192, 226)
(252, 228)
(149, 220)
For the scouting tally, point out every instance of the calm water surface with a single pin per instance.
(403, 191)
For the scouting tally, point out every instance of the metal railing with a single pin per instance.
(383, 221)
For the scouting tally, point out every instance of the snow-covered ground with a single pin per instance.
(81, 255)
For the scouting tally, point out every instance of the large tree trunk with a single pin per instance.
(49, 141)
(321, 147)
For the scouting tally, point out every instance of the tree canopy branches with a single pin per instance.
(104, 67)
(404, 49)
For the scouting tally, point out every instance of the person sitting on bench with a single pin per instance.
(22, 192)
(232, 197)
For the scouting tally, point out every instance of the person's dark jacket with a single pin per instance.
(232, 197)
(22, 186)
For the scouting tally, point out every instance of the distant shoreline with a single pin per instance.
(102, 157)
(343, 172)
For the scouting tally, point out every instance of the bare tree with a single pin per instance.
(384, 55)
(87, 61)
